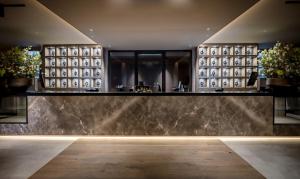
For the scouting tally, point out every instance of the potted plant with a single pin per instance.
(19, 67)
(281, 65)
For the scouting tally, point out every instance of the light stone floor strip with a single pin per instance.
(20, 157)
(274, 158)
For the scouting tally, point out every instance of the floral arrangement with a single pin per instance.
(281, 61)
(19, 63)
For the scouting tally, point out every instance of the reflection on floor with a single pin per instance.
(149, 157)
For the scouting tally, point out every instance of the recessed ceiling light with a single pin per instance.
(208, 29)
(91, 30)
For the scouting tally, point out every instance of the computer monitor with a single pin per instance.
(252, 79)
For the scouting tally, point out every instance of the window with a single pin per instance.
(13, 109)
(166, 69)
(122, 71)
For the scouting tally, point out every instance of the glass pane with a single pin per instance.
(150, 69)
(178, 71)
(287, 110)
(13, 109)
(122, 71)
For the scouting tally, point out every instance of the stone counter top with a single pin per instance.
(90, 93)
(147, 115)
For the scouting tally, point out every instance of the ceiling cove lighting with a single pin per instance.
(150, 54)
(179, 3)
(120, 3)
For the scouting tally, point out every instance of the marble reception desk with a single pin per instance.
(159, 114)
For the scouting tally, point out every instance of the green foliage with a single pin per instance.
(18, 63)
(281, 61)
(294, 64)
(2, 72)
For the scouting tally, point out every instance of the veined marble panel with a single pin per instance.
(147, 115)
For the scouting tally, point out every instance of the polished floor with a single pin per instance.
(149, 157)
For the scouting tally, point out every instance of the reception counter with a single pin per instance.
(243, 113)
(161, 114)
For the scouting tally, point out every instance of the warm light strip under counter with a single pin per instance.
(223, 138)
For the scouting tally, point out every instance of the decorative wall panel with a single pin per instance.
(73, 67)
(225, 65)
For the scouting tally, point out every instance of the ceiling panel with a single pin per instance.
(34, 25)
(145, 24)
(267, 21)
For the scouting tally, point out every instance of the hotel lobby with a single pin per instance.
(149, 89)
